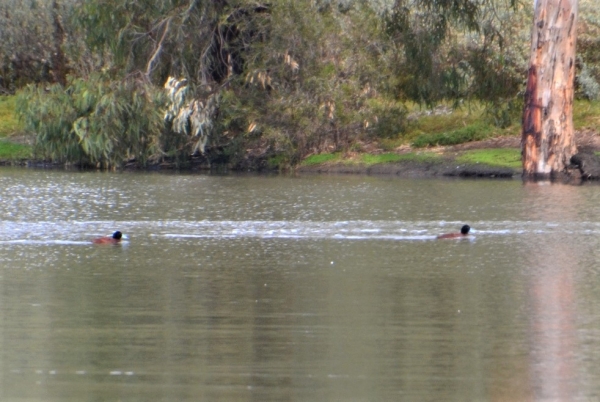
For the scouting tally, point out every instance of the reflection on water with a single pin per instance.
(306, 288)
(552, 292)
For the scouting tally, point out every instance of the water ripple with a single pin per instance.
(81, 232)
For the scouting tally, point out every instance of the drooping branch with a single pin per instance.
(159, 46)
(193, 118)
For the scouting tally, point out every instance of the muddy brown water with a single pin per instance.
(240, 288)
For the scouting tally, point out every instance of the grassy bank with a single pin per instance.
(10, 129)
(9, 125)
(497, 157)
(370, 159)
(445, 127)
(9, 151)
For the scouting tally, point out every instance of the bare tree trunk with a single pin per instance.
(548, 137)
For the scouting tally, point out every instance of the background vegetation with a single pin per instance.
(284, 79)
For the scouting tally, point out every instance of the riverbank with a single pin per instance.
(497, 155)
(416, 169)
(491, 158)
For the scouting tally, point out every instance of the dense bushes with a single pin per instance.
(94, 121)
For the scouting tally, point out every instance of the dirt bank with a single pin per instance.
(587, 140)
(416, 169)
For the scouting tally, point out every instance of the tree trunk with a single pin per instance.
(548, 141)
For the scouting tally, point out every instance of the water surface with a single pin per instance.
(279, 288)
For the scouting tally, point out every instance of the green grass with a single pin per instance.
(370, 159)
(470, 122)
(321, 158)
(9, 124)
(436, 123)
(462, 125)
(423, 157)
(502, 157)
(12, 151)
(586, 114)
(473, 132)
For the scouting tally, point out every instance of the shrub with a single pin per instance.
(390, 118)
(587, 86)
(473, 132)
(94, 121)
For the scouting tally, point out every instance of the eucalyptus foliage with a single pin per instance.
(588, 48)
(589, 88)
(24, 57)
(189, 117)
(94, 121)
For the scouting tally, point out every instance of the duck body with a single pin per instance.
(464, 232)
(114, 239)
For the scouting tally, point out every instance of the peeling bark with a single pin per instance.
(548, 141)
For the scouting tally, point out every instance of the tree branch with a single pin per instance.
(158, 51)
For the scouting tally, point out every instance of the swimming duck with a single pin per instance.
(114, 239)
(464, 231)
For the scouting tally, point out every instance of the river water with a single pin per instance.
(310, 288)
